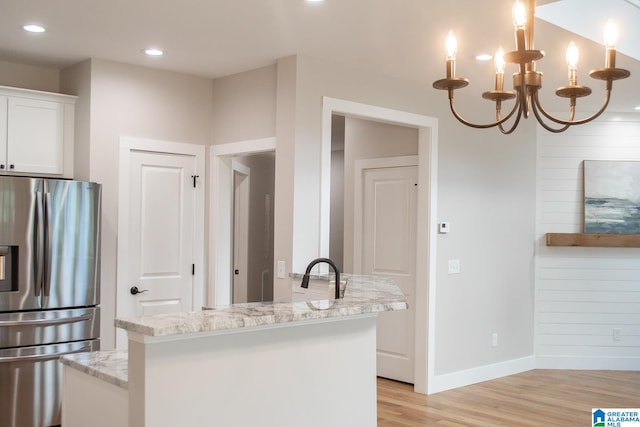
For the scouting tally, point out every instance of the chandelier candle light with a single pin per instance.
(527, 81)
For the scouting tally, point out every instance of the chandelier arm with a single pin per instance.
(536, 102)
(515, 123)
(517, 120)
(546, 126)
(477, 126)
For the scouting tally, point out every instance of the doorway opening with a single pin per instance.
(242, 182)
(252, 243)
(374, 183)
(425, 247)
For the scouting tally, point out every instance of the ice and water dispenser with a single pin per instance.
(8, 268)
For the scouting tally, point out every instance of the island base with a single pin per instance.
(312, 374)
(316, 374)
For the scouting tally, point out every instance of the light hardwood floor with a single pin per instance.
(534, 398)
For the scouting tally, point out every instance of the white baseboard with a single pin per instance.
(438, 383)
(588, 363)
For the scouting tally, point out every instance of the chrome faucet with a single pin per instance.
(305, 278)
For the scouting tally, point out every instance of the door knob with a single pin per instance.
(134, 290)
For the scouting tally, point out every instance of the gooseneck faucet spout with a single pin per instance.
(305, 278)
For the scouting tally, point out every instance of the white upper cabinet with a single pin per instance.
(36, 132)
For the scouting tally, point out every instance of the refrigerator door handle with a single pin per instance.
(46, 322)
(47, 246)
(39, 243)
(34, 357)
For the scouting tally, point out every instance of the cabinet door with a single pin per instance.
(35, 132)
(3, 133)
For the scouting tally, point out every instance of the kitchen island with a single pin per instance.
(308, 362)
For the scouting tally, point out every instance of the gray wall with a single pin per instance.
(133, 101)
(29, 77)
(244, 106)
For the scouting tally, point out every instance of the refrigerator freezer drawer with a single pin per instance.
(48, 327)
(31, 382)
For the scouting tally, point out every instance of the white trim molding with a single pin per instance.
(621, 363)
(443, 382)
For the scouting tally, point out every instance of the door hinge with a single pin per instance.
(193, 269)
(195, 177)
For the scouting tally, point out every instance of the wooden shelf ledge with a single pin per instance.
(594, 239)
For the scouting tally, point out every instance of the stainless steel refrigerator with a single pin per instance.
(49, 291)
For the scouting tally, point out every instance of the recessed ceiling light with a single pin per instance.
(33, 28)
(153, 52)
(484, 57)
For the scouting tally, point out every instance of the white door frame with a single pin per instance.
(426, 224)
(128, 144)
(220, 212)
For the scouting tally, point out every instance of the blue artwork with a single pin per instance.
(612, 197)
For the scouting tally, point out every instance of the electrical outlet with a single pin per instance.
(616, 334)
(494, 339)
(454, 266)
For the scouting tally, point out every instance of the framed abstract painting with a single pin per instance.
(611, 197)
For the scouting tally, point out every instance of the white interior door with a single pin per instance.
(385, 244)
(240, 233)
(156, 232)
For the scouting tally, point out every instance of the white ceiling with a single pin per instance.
(587, 18)
(214, 38)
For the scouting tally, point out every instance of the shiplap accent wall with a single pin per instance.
(582, 294)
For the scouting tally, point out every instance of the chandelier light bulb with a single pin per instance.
(610, 39)
(452, 46)
(610, 34)
(572, 62)
(519, 15)
(498, 60)
(572, 56)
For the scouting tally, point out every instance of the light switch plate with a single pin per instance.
(444, 228)
(454, 266)
(281, 270)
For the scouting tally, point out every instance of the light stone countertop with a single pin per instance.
(108, 365)
(363, 295)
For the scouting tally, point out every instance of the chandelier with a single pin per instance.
(527, 81)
